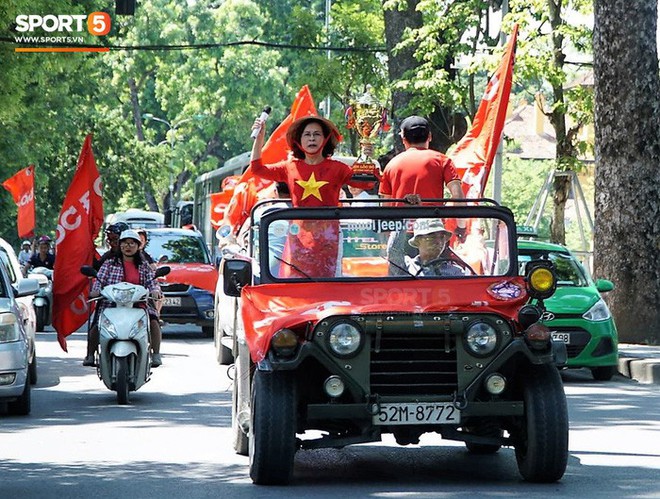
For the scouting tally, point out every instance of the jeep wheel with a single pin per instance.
(239, 406)
(272, 439)
(542, 437)
(603, 373)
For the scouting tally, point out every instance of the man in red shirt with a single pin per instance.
(416, 173)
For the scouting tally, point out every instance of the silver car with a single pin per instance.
(25, 305)
(14, 345)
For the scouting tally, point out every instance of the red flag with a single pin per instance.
(77, 227)
(21, 187)
(475, 152)
(275, 149)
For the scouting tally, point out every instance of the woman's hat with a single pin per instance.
(296, 128)
(130, 234)
(427, 226)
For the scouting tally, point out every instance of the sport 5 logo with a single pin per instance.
(98, 23)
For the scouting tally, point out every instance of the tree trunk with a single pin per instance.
(398, 63)
(627, 120)
(561, 187)
(149, 197)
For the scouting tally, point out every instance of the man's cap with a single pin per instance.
(425, 226)
(415, 127)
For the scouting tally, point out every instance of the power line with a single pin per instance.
(24, 41)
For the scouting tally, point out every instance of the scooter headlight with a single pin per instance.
(106, 325)
(123, 296)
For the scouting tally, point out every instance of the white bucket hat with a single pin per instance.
(425, 226)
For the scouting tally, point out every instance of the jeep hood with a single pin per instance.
(266, 309)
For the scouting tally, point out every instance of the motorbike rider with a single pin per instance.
(127, 266)
(43, 257)
(112, 233)
(25, 253)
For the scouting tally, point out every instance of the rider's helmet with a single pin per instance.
(26, 243)
(116, 228)
(44, 240)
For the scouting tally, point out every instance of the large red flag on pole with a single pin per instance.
(77, 227)
(275, 149)
(475, 152)
(21, 186)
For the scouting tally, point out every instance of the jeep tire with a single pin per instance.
(272, 440)
(542, 436)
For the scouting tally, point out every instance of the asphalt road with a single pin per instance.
(173, 441)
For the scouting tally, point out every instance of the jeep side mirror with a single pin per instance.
(603, 285)
(235, 275)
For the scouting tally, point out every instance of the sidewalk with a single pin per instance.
(640, 362)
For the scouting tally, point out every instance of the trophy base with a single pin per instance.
(366, 171)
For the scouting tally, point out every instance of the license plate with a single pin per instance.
(172, 301)
(564, 337)
(422, 413)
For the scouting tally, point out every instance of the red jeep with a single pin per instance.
(406, 331)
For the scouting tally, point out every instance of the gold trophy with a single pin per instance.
(367, 116)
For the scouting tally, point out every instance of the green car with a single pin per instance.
(576, 312)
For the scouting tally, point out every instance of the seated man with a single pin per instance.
(435, 256)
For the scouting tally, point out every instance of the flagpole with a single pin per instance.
(497, 164)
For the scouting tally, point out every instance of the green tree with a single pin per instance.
(552, 29)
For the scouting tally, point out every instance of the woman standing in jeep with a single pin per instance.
(314, 179)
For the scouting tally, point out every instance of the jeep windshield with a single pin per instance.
(392, 243)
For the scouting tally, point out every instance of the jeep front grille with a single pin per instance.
(413, 364)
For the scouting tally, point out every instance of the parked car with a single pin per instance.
(14, 344)
(344, 349)
(26, 302)
(189, 287)
(577, 313)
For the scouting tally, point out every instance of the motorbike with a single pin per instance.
(43, 300)
(124, 354)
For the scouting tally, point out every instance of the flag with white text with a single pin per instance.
(78, 225)
(21, 187)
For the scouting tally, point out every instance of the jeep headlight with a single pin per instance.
(598, 312)
(481, 338)
(9, 328)
(344, 339)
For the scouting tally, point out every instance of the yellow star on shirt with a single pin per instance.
(311, 187)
